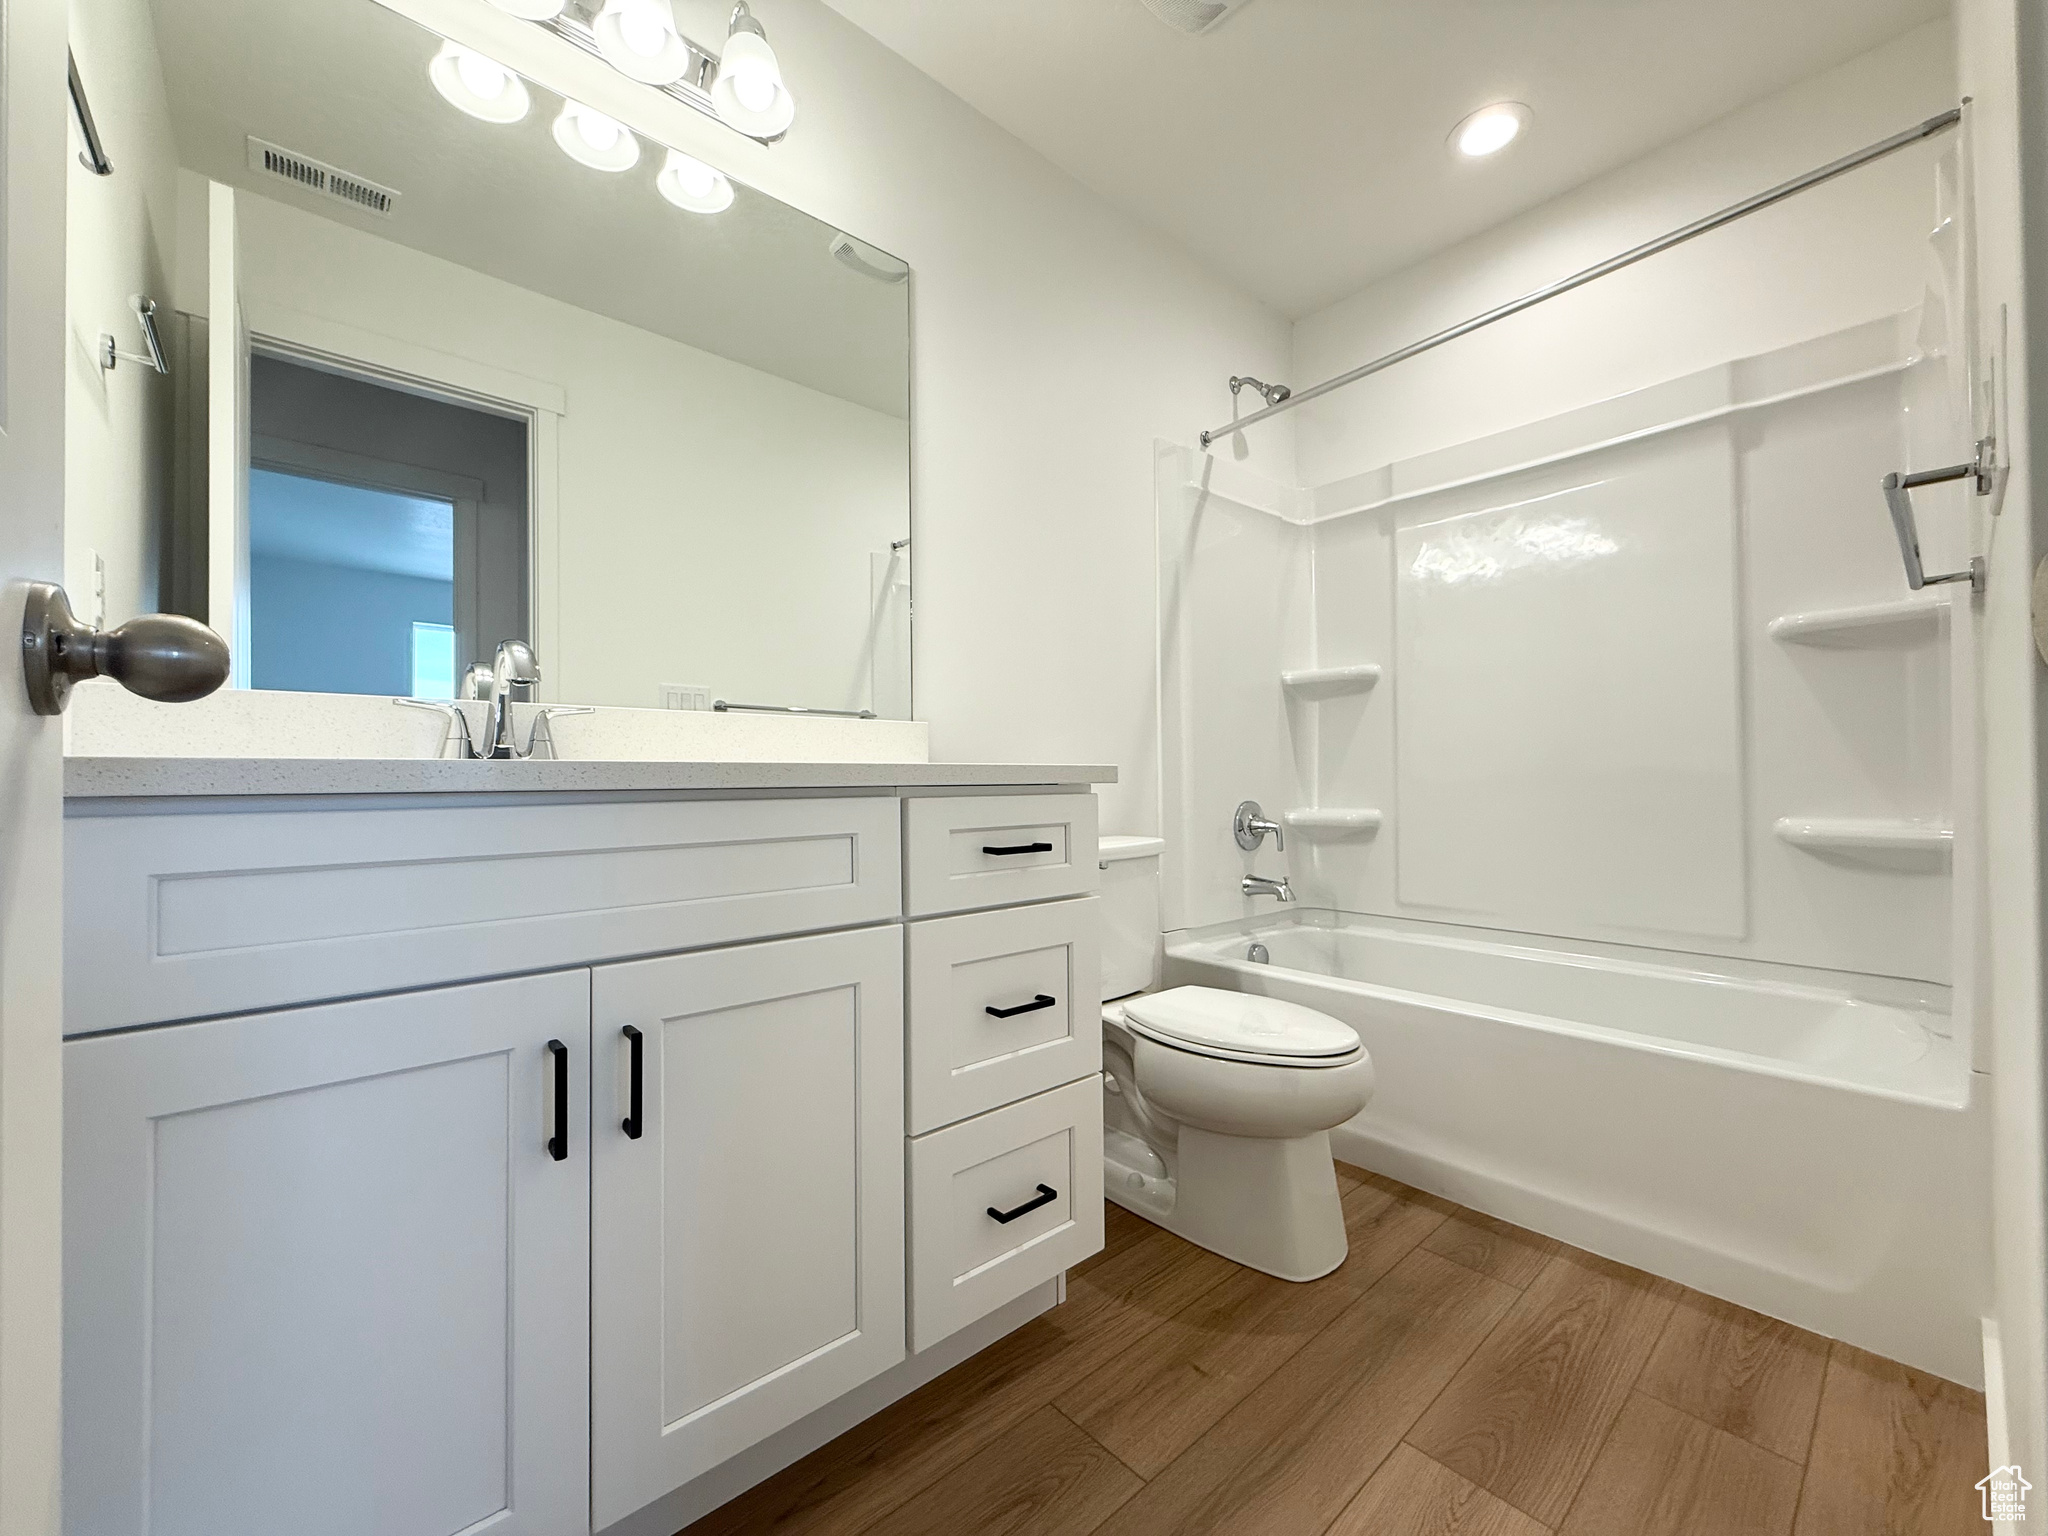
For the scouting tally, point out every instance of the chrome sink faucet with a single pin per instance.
(1259, 885)
(514, 668)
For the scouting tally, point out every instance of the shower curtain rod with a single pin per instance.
(1749, 205)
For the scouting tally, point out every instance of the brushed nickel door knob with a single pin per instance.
(162, 656)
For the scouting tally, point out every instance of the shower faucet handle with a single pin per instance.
(1250, 826)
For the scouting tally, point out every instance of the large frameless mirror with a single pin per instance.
(454, 363)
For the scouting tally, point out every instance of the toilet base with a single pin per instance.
(1271, 1205)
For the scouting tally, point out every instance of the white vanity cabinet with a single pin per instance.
(746, 1201)
(324, 1273)
(531, 1254)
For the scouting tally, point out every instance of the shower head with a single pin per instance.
(1272, 394)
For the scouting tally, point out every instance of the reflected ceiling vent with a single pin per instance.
(1194, 16)
(320, 178)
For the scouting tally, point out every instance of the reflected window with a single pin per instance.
(433, 661)
(341, 577)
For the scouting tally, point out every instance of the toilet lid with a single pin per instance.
(1207, 1018)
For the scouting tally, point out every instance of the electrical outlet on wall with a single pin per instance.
(685, 696)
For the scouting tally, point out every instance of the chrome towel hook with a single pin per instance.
(1898, 498)
(145, 314)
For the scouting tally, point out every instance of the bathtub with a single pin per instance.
(1809, 1145)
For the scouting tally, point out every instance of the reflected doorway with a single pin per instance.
(388, 534)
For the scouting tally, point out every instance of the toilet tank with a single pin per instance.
(1132, 946)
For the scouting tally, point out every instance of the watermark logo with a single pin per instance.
(2005, 1494)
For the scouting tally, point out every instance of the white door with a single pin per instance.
(747, 1244)
(33, 113)
(325, 1273)
(227, 434)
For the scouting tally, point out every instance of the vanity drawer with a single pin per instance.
(1040, 966)
(964, 1263)
(967, 851)
(201, 911)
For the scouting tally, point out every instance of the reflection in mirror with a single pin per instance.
(499, 374)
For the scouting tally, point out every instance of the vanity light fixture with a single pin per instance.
(1491, 129)
(639, 38)
(480, 86)
(749, 91)
(531, 10)
(590, 138)
(689, 183)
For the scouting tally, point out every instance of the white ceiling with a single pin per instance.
(345, 81)
(1300, 148)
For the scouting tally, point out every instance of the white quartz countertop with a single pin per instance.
(87, 778)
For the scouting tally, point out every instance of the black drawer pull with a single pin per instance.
(1046, 1193)
(1036, 1003)
(631, 1124)
(1017, 848)
(558, 1143)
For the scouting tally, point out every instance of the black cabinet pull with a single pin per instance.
(558, 1143)
(1045, 1193)
(1036, 1003)
(1017, 848)
(631, 1124)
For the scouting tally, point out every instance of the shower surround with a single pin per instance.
(1635, 690)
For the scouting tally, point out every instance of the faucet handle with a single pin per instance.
(1250, 826)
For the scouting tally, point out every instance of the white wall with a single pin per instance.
(2009, 114)
(1053, 340)
(1843, 253)
(120, 234)
(715, 522)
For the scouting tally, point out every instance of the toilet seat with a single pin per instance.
(1236, 1026)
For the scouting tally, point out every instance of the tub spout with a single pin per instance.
(1258, 885)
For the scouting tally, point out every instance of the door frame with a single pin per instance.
(313, 341)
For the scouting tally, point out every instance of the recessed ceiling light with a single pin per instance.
(1491, 129)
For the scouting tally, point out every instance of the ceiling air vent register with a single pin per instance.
(320, 178)
(1194, 16)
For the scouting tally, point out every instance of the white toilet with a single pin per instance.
(1218, 1105)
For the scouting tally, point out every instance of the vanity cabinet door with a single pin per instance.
(747, 1243)
(324, 1274)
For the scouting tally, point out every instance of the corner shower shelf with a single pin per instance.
(1326, 680)
(1321, 823)
(1899, 622)
(1875, 839)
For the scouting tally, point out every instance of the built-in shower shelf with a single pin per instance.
(1320, 681)
(1875, 839)
(1900, 622)
(1330, 823)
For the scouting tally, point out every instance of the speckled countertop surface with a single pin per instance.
(97, 778)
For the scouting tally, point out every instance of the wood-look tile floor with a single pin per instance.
(1456, 1377)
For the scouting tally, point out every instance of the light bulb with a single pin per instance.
(750, 92)
(756, 92)
(643, 31)
(485, 77)
(590, 138)
(690, 183)
(1491, 129)
(480, 86)
(638, 38)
